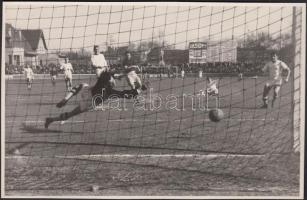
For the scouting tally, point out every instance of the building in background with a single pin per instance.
(14, 46)
(211, 51)
(24, 46)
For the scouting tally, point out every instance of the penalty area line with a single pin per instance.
(41, 121)
(133, 156)
(148, 120)
(159, 156)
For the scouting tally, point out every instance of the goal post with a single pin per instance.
(298, 78)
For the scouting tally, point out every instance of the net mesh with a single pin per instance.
(168, 133)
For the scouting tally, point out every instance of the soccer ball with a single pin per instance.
(216, 115)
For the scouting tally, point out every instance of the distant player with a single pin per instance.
(98, 61)
(29, 76)
(211, 89)
(53, 74)
(182, 71)
(200, 73)
(68, 70)
(275, 68)
(90, 97)
(240, 74)
(161, 58)
(130, 69)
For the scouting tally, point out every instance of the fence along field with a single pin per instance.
(150, 149)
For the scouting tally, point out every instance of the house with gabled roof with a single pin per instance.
(24, 46)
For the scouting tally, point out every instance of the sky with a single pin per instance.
(73, 26)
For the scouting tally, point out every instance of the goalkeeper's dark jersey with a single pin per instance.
(104, 89)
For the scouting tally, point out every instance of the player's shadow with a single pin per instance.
(42, 103)
(242, 107)
(37, 130)
(34, 129)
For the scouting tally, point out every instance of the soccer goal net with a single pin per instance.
(244, 60)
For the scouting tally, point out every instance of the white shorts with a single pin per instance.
(99, 70)
(275, 82)
(86, 97)
(68, 76)
(134, 80)
(53, 77)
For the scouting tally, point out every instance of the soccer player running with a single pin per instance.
(68, 69)
(91, 97)
(98, 61)
(29, 76)
(53, 74)
(275, 68)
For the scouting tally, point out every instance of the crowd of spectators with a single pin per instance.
(18, 69)
(225, 67)
(222, 67)
(217, 67)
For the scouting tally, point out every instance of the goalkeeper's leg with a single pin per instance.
(63, 116)
(74, 91)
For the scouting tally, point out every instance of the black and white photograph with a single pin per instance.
(153, 100)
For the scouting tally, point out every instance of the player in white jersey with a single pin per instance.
(200, 73)
(68, 69)
(98, 61)
(275, 68)
(29, 76)
(182, 73)
(212, 87)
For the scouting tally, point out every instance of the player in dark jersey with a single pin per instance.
(91, 96)
(130, 68)
(53, 74)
